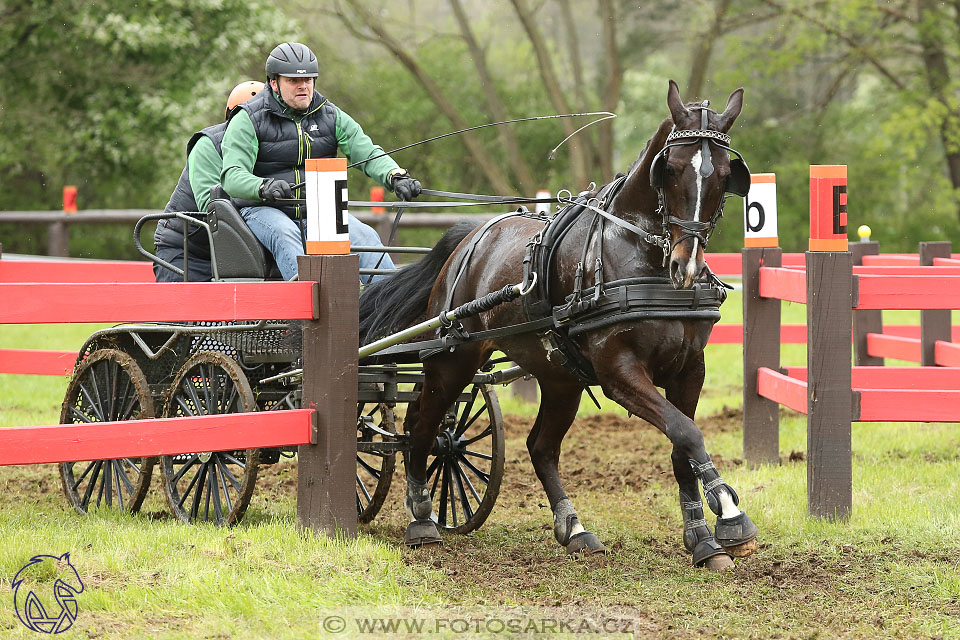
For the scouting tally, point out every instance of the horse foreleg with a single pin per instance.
(445, 376)
(558, 407)
(735, 532)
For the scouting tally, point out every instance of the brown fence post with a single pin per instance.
(934, 323)
(761, 348)
(326, 486)
(867, 321)
(830, 302)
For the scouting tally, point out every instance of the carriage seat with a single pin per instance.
(239, 254)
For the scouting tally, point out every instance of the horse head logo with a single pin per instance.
(32, 585)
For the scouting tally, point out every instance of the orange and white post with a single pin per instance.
(828, 207)
(326, 182)
(760, 212)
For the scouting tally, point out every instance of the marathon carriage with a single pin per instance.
(189, 369)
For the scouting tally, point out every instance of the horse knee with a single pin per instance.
(688, 443)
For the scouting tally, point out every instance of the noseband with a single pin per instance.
(738, 183)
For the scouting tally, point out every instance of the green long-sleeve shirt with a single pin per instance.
(240, 146)
(205, 165)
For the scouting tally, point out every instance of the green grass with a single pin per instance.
(890, 571)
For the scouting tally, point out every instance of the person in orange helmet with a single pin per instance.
(192, 193)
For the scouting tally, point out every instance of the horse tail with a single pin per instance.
(394, 303)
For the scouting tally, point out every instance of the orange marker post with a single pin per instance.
(376, 195)
(327, 231)
(828, 207)
(760, 212)
(70, 199)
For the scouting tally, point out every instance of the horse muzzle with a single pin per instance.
(685, 269)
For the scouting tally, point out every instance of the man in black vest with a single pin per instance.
(192, 193)
(267, 142)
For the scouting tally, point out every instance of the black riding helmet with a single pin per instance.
(292, 60)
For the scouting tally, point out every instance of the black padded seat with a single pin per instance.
(239, 254)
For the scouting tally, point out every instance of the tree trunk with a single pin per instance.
(486, 163)
(938, 80)
(578, 151)
(611, 94)
(704, 49)
(507, 135)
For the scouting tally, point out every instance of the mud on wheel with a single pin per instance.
(212, 486)
(107, 386)
(466, 464)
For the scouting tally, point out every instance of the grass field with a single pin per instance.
(891, 571)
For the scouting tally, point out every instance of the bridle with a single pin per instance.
(738, 183)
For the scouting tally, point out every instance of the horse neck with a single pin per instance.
(637, 200)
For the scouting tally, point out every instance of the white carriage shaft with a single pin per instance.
(760, 212)
(326, 181)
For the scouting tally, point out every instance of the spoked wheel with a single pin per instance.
(212, 486)
(107, 386)
(466, 468)
(374, 468)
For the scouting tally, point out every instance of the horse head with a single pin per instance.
(687, 168)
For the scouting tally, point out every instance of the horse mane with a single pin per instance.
(637, 187)
(394, 303)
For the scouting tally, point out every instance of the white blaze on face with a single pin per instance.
(696, 163)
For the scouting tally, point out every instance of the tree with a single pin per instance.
(105, 95)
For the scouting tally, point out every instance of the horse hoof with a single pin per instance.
(586, 543)
(711, 555)
(421, 533)
(722, 562)
(742, 550)
(737, 535)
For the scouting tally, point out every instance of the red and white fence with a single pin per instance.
(35, 292)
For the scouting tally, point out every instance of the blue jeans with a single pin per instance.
(281, 236)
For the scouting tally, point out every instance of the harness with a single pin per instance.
(605, 303)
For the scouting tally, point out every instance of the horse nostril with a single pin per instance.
(674, 269)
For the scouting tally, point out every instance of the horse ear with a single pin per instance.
(677, 110)
(734, 105)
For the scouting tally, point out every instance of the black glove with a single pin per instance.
(406, 187)
(272, 190)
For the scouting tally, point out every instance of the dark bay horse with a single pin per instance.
(673, 193)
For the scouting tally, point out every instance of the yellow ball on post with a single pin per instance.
(864, 232)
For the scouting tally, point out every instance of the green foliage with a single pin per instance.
(106, 94)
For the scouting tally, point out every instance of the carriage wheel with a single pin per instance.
(374, 469)
(212, 486)
(466, 468)
(107, 386)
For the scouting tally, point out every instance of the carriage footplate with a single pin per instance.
(422, 533)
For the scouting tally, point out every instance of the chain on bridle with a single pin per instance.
(738, 182)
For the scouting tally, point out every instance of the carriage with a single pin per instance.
(202, 368)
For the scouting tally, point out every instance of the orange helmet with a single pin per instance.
(241, 93)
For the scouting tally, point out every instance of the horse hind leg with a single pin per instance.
(558, 407)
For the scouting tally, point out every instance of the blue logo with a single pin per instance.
(41, 613)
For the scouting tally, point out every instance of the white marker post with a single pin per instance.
(542, 207)
(760, 212)
(326, 181)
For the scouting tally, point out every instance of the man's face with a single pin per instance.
(296, 92)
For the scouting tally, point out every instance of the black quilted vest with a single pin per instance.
(288, 138)
(170, 232)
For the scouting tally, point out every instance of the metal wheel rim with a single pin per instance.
(107, 386)
(374, 471)
(466, 465)
(210, 486)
